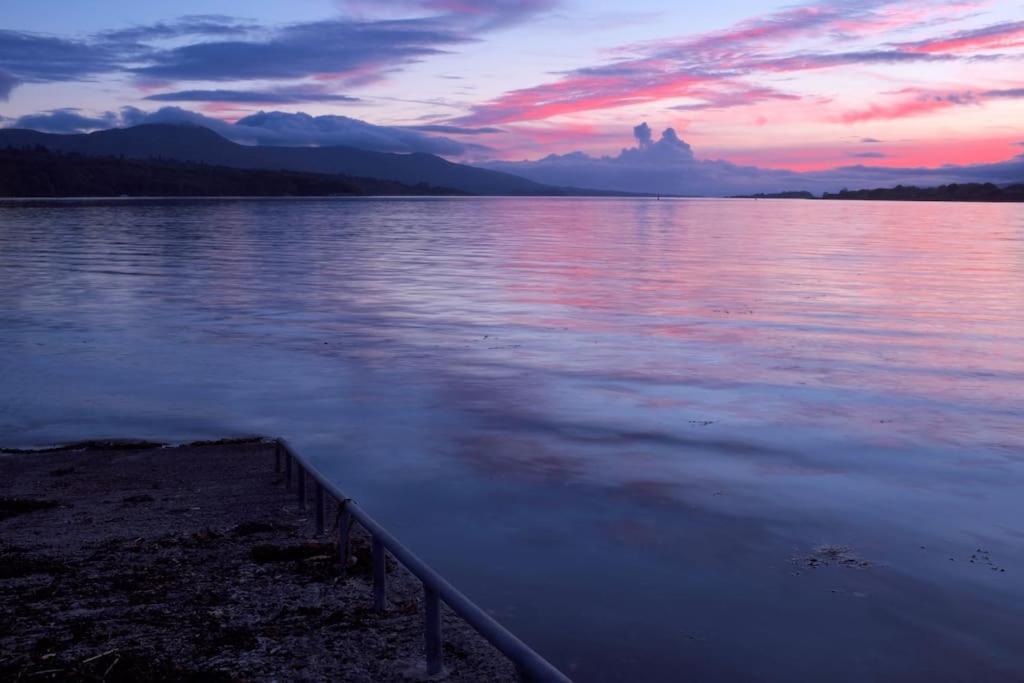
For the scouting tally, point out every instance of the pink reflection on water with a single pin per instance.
(888, 304)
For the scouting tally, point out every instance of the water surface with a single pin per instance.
(623, 426)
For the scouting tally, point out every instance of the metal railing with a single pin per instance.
(530, 665)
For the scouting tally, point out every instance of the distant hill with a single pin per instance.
(39, 172)
(964, 192)
(792, 194)
(202, 145)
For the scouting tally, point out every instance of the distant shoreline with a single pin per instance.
(954, 192)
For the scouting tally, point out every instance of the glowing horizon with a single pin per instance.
(799, 87)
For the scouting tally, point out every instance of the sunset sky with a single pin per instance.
(789, 86)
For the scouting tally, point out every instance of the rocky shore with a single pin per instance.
(136, 562)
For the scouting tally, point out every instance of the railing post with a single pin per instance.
(344, 525)
(528, 663)
(318, 502)
(432, 610)
(380, 577)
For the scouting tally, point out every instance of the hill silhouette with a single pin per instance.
(190, 143)
(39, 172)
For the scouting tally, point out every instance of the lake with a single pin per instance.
(704, 439)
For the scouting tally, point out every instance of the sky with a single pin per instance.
(796, 87)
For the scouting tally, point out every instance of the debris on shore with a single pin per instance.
(193, 563)
(832, 555)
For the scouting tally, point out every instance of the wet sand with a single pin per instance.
(192, 562)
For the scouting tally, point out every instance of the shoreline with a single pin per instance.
(139, 561)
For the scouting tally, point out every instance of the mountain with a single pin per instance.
(202, 145)
(39, 172)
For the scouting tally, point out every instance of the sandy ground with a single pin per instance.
(192, 563)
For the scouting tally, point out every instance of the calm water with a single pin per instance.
(621, 425)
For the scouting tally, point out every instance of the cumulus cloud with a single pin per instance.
(665, 165)
(643, 135)
(669, 166)
(65, 121)
(275, 128)
(302, 129)
(669, 148)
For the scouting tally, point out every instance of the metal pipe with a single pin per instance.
(432, 627)
(530, 664)
(380, 577)
(318, 499)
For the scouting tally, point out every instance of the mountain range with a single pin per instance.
(189, 143)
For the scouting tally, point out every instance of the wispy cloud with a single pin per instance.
(189, 25)
(1005, 94)
(713, 66)
(996, 36)
(38, 58)
(481, 15)
(342, 50)
(454, 130)
(284, 95)
(739, 96)
(915, 102)
(347, 50)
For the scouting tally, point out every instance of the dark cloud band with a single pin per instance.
(276, 96)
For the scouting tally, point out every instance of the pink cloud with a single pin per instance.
(739, 95)
(581, 93)
(919, 104)
(923, 102)
(713, 62)
(997, 36)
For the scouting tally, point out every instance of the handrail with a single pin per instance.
(530, 665)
